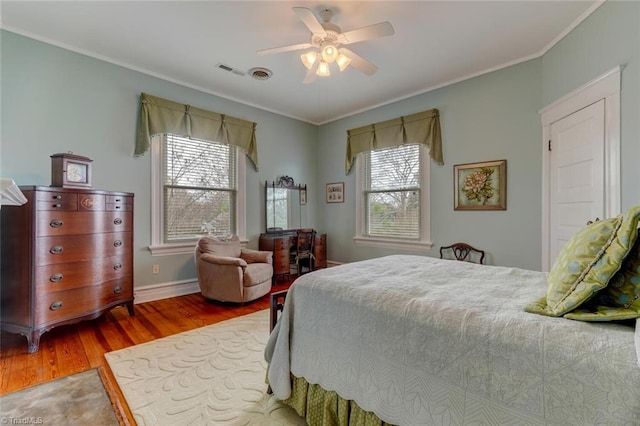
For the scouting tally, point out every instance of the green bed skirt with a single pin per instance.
(320, 407)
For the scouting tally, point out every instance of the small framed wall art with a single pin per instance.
(335, 192)
(480, 186)
(303, 195)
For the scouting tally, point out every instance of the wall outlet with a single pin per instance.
(156, 269)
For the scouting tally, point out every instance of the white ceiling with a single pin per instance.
(435, 44)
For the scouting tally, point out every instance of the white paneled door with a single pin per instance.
(577, 173)
(580, 161)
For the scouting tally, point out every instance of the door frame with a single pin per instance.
(606, 87)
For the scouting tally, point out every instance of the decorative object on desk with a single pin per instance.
(10, 194)
(480, 186)
(70, 171)
(335, 192)
(303, 195)
(286, 182)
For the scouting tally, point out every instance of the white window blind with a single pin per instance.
(392, 192)
(199, 189)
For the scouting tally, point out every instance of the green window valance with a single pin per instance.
(422, 127)
(158, 116)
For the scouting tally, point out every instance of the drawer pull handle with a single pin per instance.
(56, 223)
(118, 207)
(117, 290)
(117, 221)
(56, 305)
(56, 250)
(57, 197)
(117, 266)
(117, 243)
(118, 200)
(56, 277)
(57, 206)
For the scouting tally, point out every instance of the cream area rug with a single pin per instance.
(214, 375)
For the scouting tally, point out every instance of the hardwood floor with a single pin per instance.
(79, 347)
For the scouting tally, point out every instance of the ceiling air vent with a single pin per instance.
(260, 73)
(230, 69)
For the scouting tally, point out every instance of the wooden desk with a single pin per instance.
(282, 242)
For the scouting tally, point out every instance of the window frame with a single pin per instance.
(160, 248)
(424, 240)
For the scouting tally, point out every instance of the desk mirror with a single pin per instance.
(283, 207)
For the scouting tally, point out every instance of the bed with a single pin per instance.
(413, 340)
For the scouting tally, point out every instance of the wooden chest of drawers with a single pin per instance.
(67, 256)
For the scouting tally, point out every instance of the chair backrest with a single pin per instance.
(462, 251)
(225, 247)
(304, 240)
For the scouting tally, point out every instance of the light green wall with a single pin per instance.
(491, 117)
(54, 100)
(607, 38)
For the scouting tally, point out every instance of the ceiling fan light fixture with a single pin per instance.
(325, 44)
(343, 61)
(309, 58)
(323, 69)
(329, 53)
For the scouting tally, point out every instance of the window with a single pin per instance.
(393, 197)
(198, 190)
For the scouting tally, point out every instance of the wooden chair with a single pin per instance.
(304, 257)
(276, 305)
(463, 252)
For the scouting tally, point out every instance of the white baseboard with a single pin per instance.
(161, 291)
(165, 290)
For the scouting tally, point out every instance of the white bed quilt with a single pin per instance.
(422, 341)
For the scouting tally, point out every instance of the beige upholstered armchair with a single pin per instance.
(228, 273)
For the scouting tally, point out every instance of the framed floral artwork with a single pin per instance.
(480, 186)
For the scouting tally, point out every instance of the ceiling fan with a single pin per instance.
(326, 39)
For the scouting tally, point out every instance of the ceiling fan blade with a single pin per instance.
(358, 62)
(381, 29)
(284, 48)
(310, 20)
(311, 75)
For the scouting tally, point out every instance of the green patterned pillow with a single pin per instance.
(620, 300)
(586, 263)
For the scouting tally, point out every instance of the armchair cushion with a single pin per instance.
(257, 273)
(228, 247)
(256, 256)
(223, 260)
